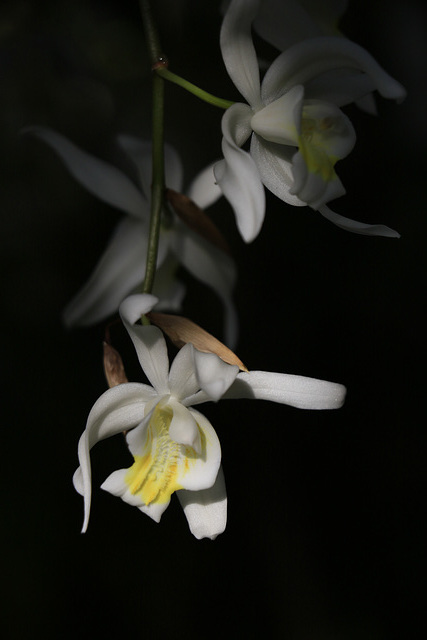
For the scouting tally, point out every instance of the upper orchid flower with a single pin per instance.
(121, 269)
(297, 129)
(175, 448)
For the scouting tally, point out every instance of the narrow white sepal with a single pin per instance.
(100, 178)
(296, 391)
(358, 227)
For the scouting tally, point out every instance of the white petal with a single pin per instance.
(183, 427)
(212, 267)
(239, 178)
(296, 391)
(310, 58)
(120, 269)
(358, 227)
(280, 121)
(118, 409)
(140, 152)
(148, 341)
(213, 374)
(206, 510)
(274, 163)
(101, 179)
(238, 50)
(204, 191)
(182, 375)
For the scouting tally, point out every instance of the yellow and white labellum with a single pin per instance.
(173, 448)
(326, 136)
(163, 462)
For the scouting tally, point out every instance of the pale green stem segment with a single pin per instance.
(164, 72)
(157, 139)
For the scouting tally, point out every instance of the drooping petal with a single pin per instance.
(212, 267)
(206, 510)
(182, 375)
(311, 58)
(238, 50)
(214, 376)
(238, 175)
(204, 190)
(357, 227)
(140, 152)
(120, 270)
(118, 409)
(148, 341)
(280, 121)
(274, 162)
(296, 391)
(100, 178)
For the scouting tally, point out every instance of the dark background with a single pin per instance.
(324, 539)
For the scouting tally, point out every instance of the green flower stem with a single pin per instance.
(164, 72)
(157, 140)
(158, 182)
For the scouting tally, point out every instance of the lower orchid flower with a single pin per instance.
(294, 121)
(121, 269)
(175, 448)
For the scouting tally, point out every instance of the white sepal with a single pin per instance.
(100, 178)
(296, 391)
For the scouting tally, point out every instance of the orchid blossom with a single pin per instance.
(293, 118)
(175, 448)
(121, 268)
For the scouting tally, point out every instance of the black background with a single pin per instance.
(324, 539)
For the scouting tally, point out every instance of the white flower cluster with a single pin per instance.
(287, 135)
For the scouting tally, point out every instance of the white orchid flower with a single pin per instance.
(121, 268)
(294, 121)
(175, 448)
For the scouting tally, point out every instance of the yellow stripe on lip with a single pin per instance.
(158, 472)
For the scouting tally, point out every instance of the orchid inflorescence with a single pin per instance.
(287, 135)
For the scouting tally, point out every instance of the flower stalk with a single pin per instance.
(157, 137)
(165, 73)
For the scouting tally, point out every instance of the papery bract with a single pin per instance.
(174, 446)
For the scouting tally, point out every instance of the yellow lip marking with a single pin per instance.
(156, 474)
(313, 147)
